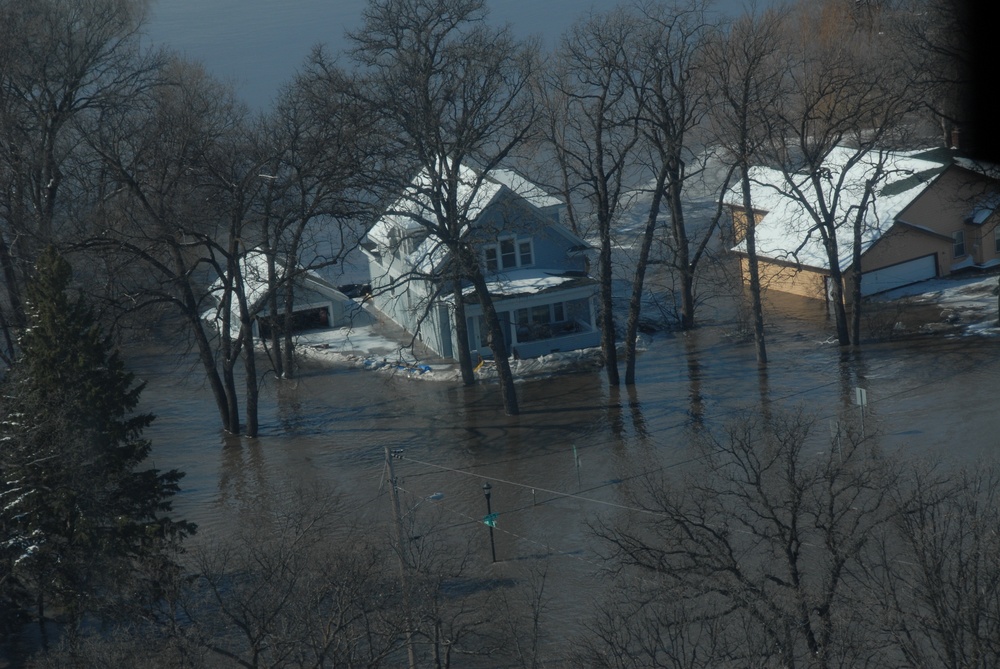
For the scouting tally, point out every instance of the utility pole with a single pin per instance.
(404, 582)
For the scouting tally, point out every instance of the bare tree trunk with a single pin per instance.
(462, 334)
(272, 305)
(252, 390)
(498, 344)
(288, 321)
(232, 400)
(753, 268)
(858, 225)
(682, 254)
(609, 345)
(837, 304)
(638, 279)
(856, 306)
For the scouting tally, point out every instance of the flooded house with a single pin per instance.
(318, 304)
(907, 235)
(535, 267)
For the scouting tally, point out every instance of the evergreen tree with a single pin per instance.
(81, 525)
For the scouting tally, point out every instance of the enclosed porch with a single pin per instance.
(539, 324)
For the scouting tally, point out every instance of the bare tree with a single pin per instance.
(457, 95)
(182, 180)
(745, 63)
(767, 534)
(845, 107)
(644, 624)
(293, 588)
(938, 578)
(61, 63)
(936, 37)
(593, 130)
(672, 100)
(321, 184)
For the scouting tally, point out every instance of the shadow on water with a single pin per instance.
(696, 409)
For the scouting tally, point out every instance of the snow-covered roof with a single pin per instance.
(526, 282)
(533, 194)
(253, 268)
(788, 231)
(414, 206)
(983, 209)
(985, 168)
(406, 216)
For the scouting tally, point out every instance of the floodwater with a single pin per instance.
(562, 462)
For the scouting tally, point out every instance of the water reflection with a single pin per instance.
(696, 410)
(616, 421)
(241, 471)
(764, 392)
(635, 409)
(853, 375)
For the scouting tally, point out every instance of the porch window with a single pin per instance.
(958, 240)
(542, 321)
(508, 253)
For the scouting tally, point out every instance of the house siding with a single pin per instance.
(901, 244)
(804, 281)
(739, 217)
(943, 209)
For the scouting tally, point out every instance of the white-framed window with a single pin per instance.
(509, 253)
(958, 241)
(541, 321)
(541, 314)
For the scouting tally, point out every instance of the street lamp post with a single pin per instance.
(489, 518)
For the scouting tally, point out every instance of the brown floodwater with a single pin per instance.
(561, 464)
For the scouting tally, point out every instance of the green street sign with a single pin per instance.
(490, 520)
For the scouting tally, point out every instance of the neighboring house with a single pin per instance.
(536, 270)
(317, 303)
(791, 254)
(956, 217)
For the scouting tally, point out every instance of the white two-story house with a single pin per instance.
(536, 269)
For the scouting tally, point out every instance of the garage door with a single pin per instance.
(902, 274)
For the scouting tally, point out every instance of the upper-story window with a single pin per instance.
(958, 241)
(400, 243)
(509, 253)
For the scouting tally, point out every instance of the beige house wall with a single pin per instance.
(739, 216)
(981, 242)
(803, 281)
(944, 207)
(901, 244)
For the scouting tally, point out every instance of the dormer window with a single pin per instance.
(509, 253)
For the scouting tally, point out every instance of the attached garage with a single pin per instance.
(898, 275)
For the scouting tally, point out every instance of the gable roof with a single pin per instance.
(787, 232)
(310, 288)
(403, 218)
